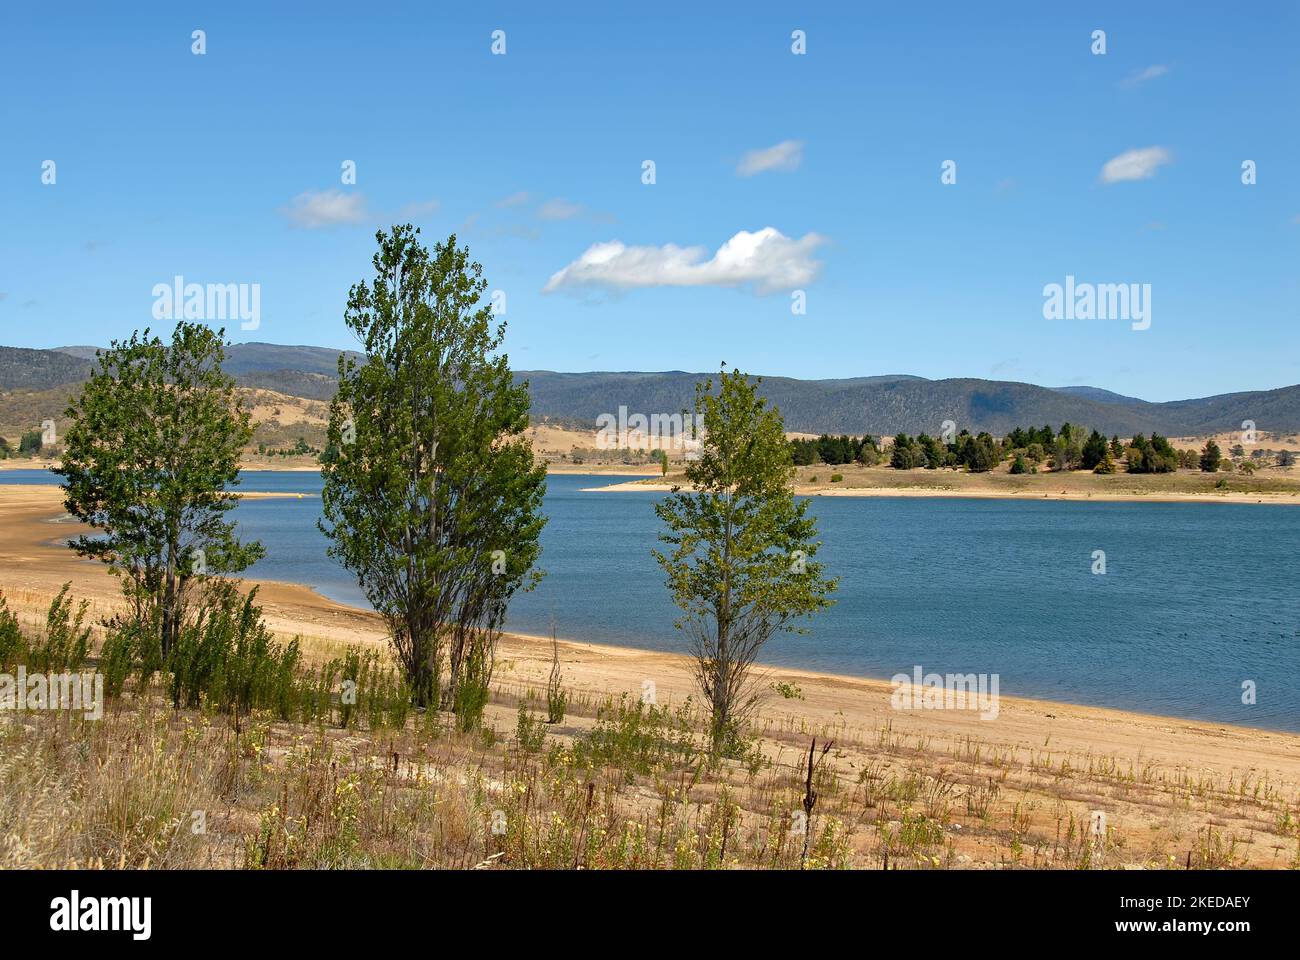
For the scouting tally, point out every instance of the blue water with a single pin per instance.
(1196, 598)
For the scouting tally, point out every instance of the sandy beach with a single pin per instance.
(1079, 488)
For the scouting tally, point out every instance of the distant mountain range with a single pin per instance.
(880, 404)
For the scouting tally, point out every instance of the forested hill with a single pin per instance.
(907, 404)
(878, 404)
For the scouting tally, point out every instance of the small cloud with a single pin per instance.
(766, 258)
(785, 157)
(91, 246)
(28, 304)
(1135, 165)
(1005, 185)
(311, 211)
(3, 296)
(417, 211)
(1296, 219)
(1142, 76)
(1154, 225)
(560, 209)
(514, 200)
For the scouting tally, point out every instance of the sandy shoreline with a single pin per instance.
(805, 490)
(33, 566)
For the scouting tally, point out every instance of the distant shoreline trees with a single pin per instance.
(1067, 449)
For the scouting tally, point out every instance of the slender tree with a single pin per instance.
(150, 460)
(741, 565)
(433, 496)
(1211, 456)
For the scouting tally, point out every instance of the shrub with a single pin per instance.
(228, 658)
(13, 645)
(66, 642)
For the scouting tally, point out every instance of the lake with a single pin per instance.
(1196, 597)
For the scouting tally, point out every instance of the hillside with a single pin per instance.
(890, 405)
(885, 404)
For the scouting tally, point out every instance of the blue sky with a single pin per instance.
(225, 168)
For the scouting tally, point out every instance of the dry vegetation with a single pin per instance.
(616, 784)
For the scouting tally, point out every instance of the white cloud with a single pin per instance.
(326, 209)
(1142, 76)
(766, 258)
(785, 156)
(514, 200)
(417, 211)
(560, 209)
(1135, 164)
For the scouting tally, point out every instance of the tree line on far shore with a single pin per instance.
(1028, 449)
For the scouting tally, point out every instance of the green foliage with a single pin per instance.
(1018, 465)
(61, 648)
(66, 641)
(13, 645)
(636, 737)
(742, 565)
(530, 733)
(29, 445)
(979, 455)
(1152, 456)
(788, 691)
(433, 500)
(907, 453)
(1094, 452)
(228, 657)
(834, 451)
(1211, 457)
(153, 448)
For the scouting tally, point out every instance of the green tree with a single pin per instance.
(434, 497)
(30, 443)
(1094, 451)
(150, 458)
(1211, 456)
(742, 565)
(982, 454)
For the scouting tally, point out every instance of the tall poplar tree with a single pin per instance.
(433, 498)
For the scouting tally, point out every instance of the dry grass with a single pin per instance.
(615, 785)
